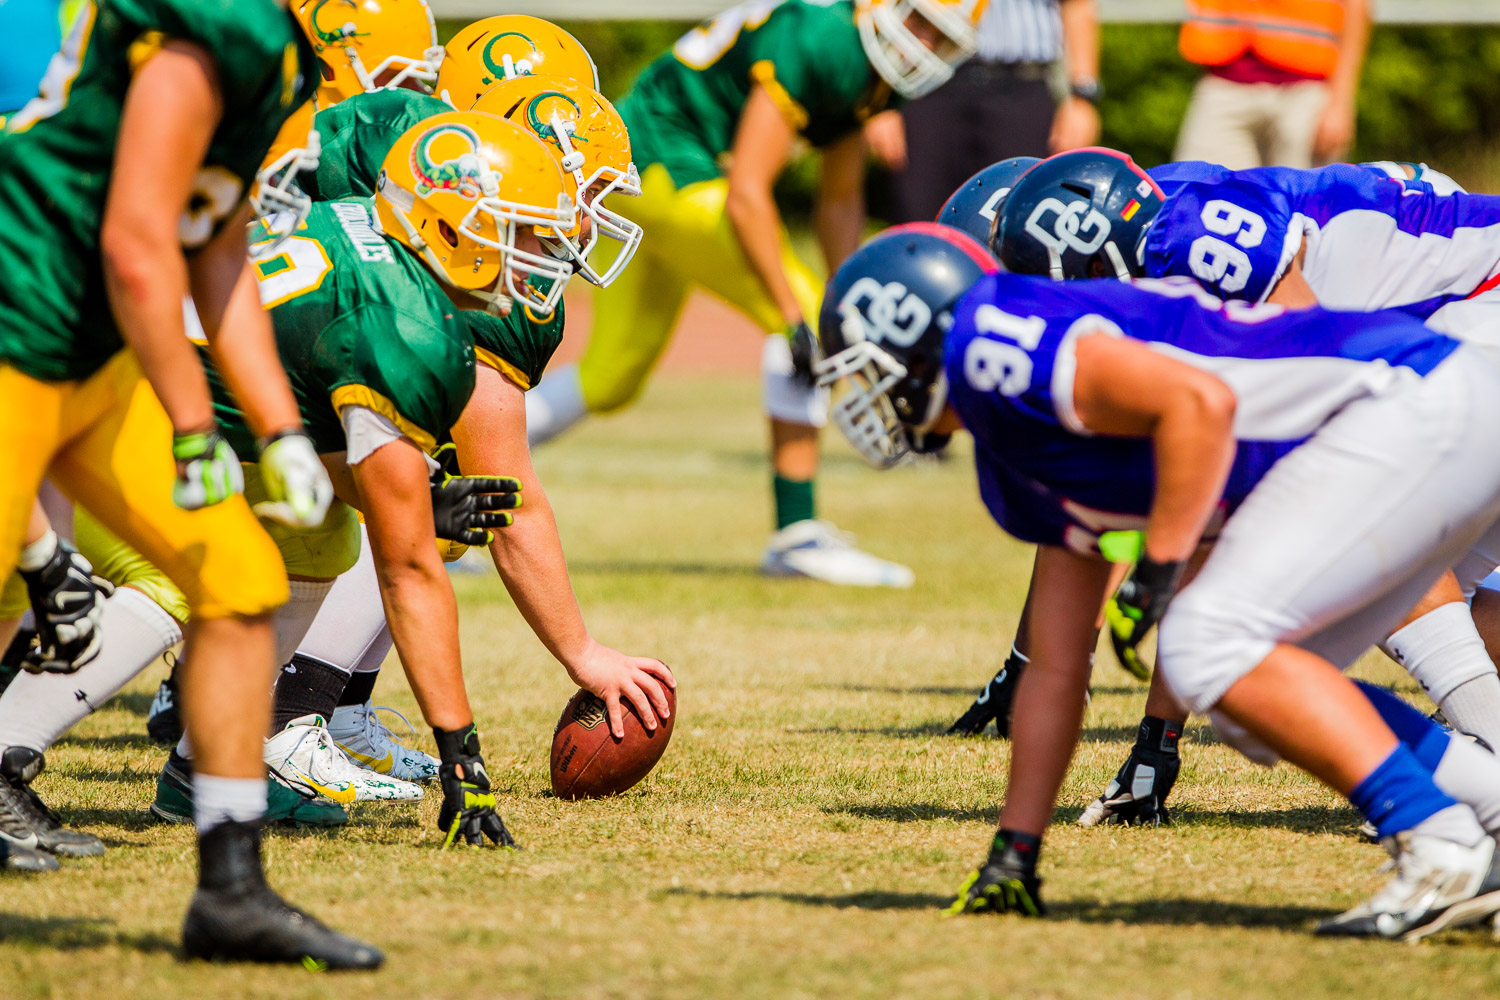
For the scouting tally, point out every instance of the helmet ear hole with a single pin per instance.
(448, 233)
(326, 70)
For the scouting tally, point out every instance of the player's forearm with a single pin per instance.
(757, 226)
(1343, 85)
(839, 224)
(423, 618)
(1194, 446)
(1080, 24)
(146, 281)
(529, 557)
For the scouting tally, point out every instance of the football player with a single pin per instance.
(747, 85)
(1344, 236)
(1105, 406)
(135, 157)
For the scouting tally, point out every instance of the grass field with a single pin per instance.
(808, 821)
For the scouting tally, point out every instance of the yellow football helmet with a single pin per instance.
(457, 187)
(586, 134)
(365, 45)
(503, 47)
(915, 44)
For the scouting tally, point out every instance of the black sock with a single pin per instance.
(306, 687)
(1158, 734)
(359, 689)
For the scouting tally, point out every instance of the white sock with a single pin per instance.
(38, 708)
(221, 800)
(34, 556)
(1474, 707)
(1455, 823)
(1442, 650)
(1471, 775)
(292, 620)
(554, 405)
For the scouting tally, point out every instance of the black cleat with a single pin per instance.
(236, 917)
(25, 819)
(1005, 884)
(164, 722)
(993, 703)
(15, 858)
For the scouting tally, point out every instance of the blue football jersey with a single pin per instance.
(1370, 242)
(1046, 479)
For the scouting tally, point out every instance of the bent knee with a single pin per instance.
(1203, 649)
(613, 392)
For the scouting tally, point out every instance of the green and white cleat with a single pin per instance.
(174, 800)
(361, 734)
(305, 757)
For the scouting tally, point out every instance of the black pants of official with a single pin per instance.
(986, 113)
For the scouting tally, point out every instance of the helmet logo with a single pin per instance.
(548, 107)
(341, 33)
(522, 67)
(884, 314)
(461, 173)
(1077, 226)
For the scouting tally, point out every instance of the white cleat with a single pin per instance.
(359, 732)
(1438, 884)
(820, 551)
(304, 757)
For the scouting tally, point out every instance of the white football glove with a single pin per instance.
(298, 489)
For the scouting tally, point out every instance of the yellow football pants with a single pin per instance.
(107, 443)
(689, 241)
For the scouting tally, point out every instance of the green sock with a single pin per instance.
(794, 501)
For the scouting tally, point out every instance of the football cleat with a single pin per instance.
(1137, 795)
(1005, 884)
(818, 550)
(174, 800)
(235, 916)
(358, 731)
(993, 703)
(164, 721)
(15, 858)
(1438, 884)
(25, 820)
(304, 757)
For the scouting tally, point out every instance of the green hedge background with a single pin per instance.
(1429, 94)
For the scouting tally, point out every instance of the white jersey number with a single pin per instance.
(1216, 261)
(994, 365)
(707, 43)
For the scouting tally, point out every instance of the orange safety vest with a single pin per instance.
(1297, 35)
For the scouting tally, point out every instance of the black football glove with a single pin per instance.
(993, 703)
(1137, 796)
(1006, 883)
(68, 602)
(804, 352)
(468, 810)
(465, 508)
(1137, 607)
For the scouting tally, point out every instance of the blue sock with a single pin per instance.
(1425, 738)
(1398, 794)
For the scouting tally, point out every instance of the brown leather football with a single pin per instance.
(588, 762)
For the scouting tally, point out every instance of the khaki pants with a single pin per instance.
(1244, 125)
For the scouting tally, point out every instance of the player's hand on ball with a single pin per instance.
(208, 471)
(466, 508)
(616, 679)
(1137, 795)
(1137, 607)
(468, 812)
(298, 489)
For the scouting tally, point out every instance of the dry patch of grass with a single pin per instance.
(808, 821)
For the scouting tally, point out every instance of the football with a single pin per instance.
(589, 763)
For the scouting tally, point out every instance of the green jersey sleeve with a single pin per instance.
(517, 346)
(821, 81)
(357, 134)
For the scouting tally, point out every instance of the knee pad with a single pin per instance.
(1202, 649)
(788, 398)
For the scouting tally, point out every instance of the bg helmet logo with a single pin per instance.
(460, 170)
(520, 67)
(884, 314)
(1076, 226)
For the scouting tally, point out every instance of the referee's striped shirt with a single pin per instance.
(1014, 31)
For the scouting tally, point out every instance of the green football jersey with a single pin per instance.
(684, 107)
(57, 153)
(357, 133)
(359, 321)
(517, 345)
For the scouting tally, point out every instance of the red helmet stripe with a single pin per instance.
(1125, 157)
(957, 237)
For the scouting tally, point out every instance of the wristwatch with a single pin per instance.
(1087, 90)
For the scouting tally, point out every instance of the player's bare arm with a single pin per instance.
(762, 146)
(170, 113)
(396, 499)
(491, 435)
(840, 213)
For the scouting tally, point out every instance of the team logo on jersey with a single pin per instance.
(1075, 226)
(550, 108)
(518, 67)
(884, 314)
(460, 168)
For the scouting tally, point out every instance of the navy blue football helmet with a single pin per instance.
(976, 204)
(885, 314)
(1082, 214)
